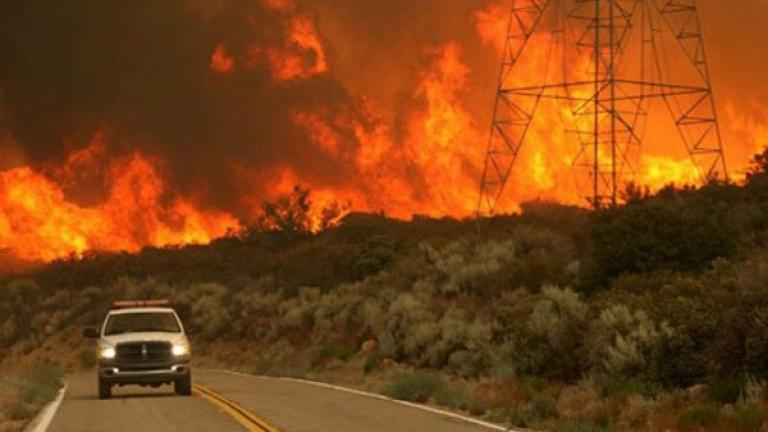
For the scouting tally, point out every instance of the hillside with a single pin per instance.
(651, 315)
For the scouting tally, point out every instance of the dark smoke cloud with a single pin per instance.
(139, 69)
(390, 38)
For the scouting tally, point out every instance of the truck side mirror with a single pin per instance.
(91, 332)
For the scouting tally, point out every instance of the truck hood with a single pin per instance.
(173, 338)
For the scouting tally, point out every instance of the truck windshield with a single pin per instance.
(141, 322)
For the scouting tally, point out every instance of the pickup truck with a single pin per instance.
(142, 342)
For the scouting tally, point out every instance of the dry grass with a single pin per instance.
(24, 392)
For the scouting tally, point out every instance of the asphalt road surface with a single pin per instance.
(289, 406)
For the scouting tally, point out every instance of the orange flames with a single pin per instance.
(749, 129)
(442, 139)
(298, 53)
(295, 53)
(435, 169)
(38, 222)
(221, 61)
(427, 161)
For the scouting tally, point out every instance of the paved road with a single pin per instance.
(134, 408)
(288, 405)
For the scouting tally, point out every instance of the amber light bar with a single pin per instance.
(121, 304)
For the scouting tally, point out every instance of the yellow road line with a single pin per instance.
(250, 421)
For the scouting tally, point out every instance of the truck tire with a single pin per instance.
(183, 387)
(105, 390)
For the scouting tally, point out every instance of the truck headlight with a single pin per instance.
(107, 353)
(179, 350)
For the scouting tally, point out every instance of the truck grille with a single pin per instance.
(143, 353)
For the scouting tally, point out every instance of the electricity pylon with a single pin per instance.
(613, 58)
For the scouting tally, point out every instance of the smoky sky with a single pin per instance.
(140, 69)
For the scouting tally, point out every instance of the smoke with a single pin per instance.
(214, 88)
(736, 44)
(140, 70)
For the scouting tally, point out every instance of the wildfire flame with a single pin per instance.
(298, 53)
(221, 62)
(427, 160)
(38, 222)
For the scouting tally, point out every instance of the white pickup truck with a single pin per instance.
(142, 342)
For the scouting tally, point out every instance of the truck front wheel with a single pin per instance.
(183, 386)
(105, 390)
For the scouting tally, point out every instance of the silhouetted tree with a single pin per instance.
(289, 213)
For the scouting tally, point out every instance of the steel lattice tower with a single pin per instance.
(612, 65)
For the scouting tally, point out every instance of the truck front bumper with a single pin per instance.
(114, 374)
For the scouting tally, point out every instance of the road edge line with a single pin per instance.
(422, 407)
(43, 420)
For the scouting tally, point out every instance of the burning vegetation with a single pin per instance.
(158, 126)
(39, 222)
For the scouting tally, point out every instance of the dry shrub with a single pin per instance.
(298, 313)
(495, 395)
(573, 400)
(464, 267)
(755, 390)
(583, 403)
(665, 408)
(9, 400)
(601, 412)
(697, 392)
(207, 307)
(556, 313)
(620, 339)
(636, 412)
(558, 320)
(369, 346)
(23, 393)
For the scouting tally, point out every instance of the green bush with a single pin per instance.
(542, 407)
(373, 256)
(420, 386)
(535, 383)
(329, 351)
(456, 396)
(622, 387)
(675, 230)
(558, 320)
(414, 386)
(503, 414)
(372, 361)
(725, 390)
(677, 361)
(698, 415)
(468, 267)
(621, 338)
(749, 418)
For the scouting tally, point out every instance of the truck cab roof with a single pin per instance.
(140, 310)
